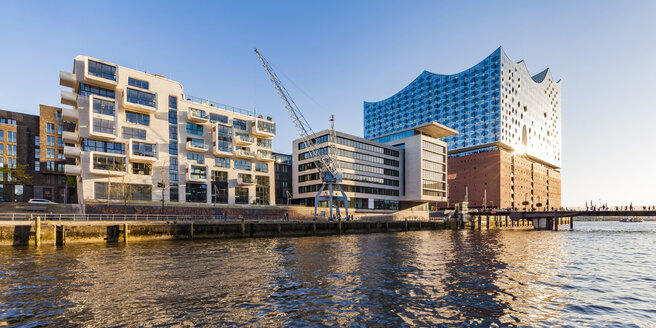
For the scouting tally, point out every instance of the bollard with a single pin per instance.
(37, 232)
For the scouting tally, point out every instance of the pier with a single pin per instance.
(551, 220)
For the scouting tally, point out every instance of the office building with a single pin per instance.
(507, 152)
(138, 137)
(402, 171)
(283, 174)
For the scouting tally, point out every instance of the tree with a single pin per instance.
(164, 182)
(17, 175)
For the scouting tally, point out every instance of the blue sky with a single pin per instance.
(334, 55)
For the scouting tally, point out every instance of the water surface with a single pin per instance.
(601, 274)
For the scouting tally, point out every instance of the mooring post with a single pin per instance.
(191, 230)
(406, 224)
(556, 223)
(125, 233)
(243, 228)
(506, 221)
(37, 231)
(480, 220)
(314, 227)
(339, 226)
(487, 223)
(571, 223)
(386, 226)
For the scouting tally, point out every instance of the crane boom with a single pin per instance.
(324, 158)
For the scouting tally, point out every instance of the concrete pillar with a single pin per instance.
(37, 231)
(125, 233)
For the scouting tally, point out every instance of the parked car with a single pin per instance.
(2, 200)
(40, 201)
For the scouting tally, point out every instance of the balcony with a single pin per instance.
(72, 152)
(114, 168)
(242, 140)
(246, 180)
(67, 79)
(265, 156)
(135, 107)
(221, 153)
(100, 74)
(264, 128)
(68, 98)
(197, 147)
(245, 154)
(70, 137)
(197, 116)
(70, 169)
(69, 114)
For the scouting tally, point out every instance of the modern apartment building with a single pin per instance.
(31, 157)
(507, 152)
(138, 137)
(399, 172)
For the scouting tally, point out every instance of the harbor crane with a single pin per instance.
(324, 158)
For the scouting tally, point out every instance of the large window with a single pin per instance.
(215, 118)
(264, 143)
(196, 193)
(50, 128)
(144, 149)
(134, 133)
(109, 163)
(102, 106)
(137, 118)
(86, 90)
(173, 102)
(219, 187)
(138, 83)
(123, 191)
(103, 146)
(241, 195)
(433, 147)
(195, 158)
(266, 126)
(142, 168)
(239, 124)
(141, 97)
(262, 190)
(102, 70)
(196, 129)
(197, 172)
(240, 164)
(261, 167)
(432, 156)
(103, 126)
(222, 162)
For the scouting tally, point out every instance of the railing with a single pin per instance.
(107, 217)
(246, 138)
(211, 103)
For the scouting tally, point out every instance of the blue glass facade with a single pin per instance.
(467, 102)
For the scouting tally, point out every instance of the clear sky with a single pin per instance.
(333, 55)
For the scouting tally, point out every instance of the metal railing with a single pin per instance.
(211, 103)
(111, 217)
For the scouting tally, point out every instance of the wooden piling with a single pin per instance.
(479, 222)
(571, 223)
(37, 231)
(191, 231)
(487, 223)
(556, 223)
(125, 233)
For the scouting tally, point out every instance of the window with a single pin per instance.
(11, 136)
(138, 83)
(241, 164)
(37, 140)
(123, 191)
(196, 193)
(37, 166)
(60, 129)
(11, 150)
(433, 147)
(239, 124)
(144, 149)
(86, 90)
(133, 133)
(196, 129)
(173, 116)
(215, 118)
(103, 126)
(198, 143)
(59, 116)
(224, 138)
(219, 187)
(110, 163)
(60, 142)
(137, 118)
(2, 150)
(50, 153)
(102, 70)
(173, 147)
(222, 162)
(261, 167)
(50, 141)
(2, 136)
(262, 188)
(264, 143)
(241, 195)
(268, 127)
(50, 128)
(173, 102)
(103, 146)
(197, 172)
(102, 106)
(432, 156)
(141, 168)
(141, 97)
(195, 158)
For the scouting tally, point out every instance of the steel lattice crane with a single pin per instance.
(324, 158)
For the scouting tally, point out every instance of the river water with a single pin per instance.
(600, 274)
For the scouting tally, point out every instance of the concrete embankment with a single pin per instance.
(62, 232)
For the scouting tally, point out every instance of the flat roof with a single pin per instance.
(433, 129)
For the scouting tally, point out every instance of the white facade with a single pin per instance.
(139, 133)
